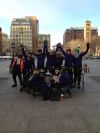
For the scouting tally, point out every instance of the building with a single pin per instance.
(0, 41)
(80, 33)
(94, 32)
(5, 43)
(25, 31)
(87, 31)
(73, 33)
(35, 30)
(21, 32)
(41, 39)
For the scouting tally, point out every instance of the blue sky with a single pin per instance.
(54, 15)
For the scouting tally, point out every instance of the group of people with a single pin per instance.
(48, 71)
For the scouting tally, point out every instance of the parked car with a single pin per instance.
(5, 57)
(95, 57)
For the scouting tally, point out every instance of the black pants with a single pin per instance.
(70, 74)
(26, 77)
(35, 87)
(67, 86)
(47, 92)
(77, 75)
(57, 86)
(14, 75)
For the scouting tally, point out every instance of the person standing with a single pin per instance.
(28, 67)
(69, 61)
(78, 66)
(17, 66)
(29, 61)
(54, 59)
(40, 57)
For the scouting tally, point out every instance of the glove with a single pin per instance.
(58, 45)
(88, 45)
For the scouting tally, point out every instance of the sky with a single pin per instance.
(54, 15)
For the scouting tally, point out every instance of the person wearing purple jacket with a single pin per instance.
(78, 66)
(64, 81)
(69, 61)
(54, 59)
(40, 57)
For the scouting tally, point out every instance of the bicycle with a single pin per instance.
(82, 80)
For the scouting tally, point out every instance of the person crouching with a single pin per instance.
(47, 87)
(33, 81)
(64, 82)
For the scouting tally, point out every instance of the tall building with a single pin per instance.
(41, 39)
(87, 31)
(25, 30)
(0, 41)
(5, 43)
(73, 33)
(21, 32)
(35, 30)
(80, 33)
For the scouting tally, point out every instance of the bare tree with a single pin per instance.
(95, 44)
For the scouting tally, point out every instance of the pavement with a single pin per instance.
(21, 113)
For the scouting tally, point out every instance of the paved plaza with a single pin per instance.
(21, 113)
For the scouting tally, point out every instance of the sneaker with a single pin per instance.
(14, 85)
